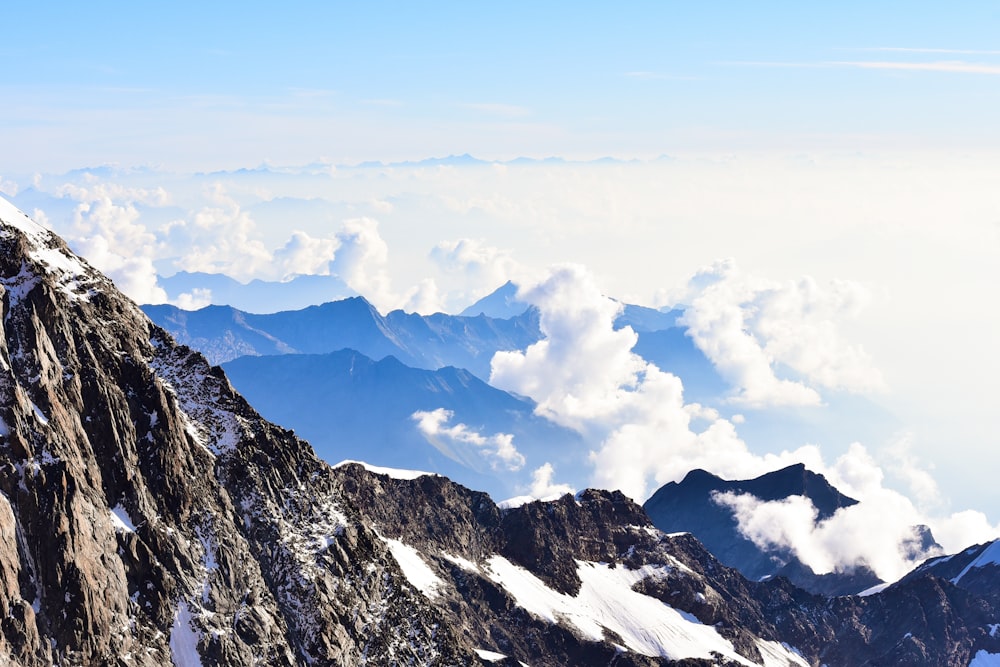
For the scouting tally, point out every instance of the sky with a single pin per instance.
(833, 166)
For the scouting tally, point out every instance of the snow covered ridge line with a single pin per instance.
(394, 473)
(74, 277)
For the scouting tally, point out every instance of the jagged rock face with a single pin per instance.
(148, 514)
(460, 534)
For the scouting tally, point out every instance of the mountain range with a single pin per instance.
(150, 516)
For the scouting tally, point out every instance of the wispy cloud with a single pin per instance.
(908, 49)
(946, 66)
(385, 102)
(505, 110)
(657, 76)
(938, 66)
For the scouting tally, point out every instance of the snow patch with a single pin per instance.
(518, 501)
(39, 415)
(463, 563)
(184, 639)
(515, 502)
(985, 659)
(777, 654)
(70, 273)
(121, 520)
(414, 568)
(989, 556)
(394, 473)
(490, 656)
(877, 588)
(607, 602)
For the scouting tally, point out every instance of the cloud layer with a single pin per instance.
(747, 326)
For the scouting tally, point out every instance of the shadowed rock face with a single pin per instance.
(690, 506)
(146, 509)
(149, 516)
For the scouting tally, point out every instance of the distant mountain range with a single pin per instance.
(350, 406)
(349, 379)
(257, 296)
(224, 333)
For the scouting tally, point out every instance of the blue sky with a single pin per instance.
(192, 85)
(849, 141)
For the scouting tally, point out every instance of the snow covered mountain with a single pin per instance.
(149, 516)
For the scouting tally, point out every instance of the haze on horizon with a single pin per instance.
(845, 154)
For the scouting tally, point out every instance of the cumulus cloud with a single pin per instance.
(9, 188)
(424, 298)
(881, 531)
(107, 231)
(542, 485)
(362, 260)
(135, 275)
(482, 267)
(220, 238)
(582, 370)
(498, 449)
(303, 254)
(194, 300)
(747, 326)
(584, 375)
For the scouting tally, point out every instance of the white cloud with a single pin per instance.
(582, 369)
(906, 467)
(542, 486)
(746, 326)
(498, 109)
(304, 255)
(958, 66)
(584, 375)
(880, 531)
(498, 449)
(424, 298)
(194, 300)
(362, 260)
(135, 276)
(221, 238)
(107, 231)
(482, 268)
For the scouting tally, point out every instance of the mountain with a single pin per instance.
(502, 303)
(977, 570)
(690, 506)
(149, 516)
(258, 296)
(350, 406)
(224, 333)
